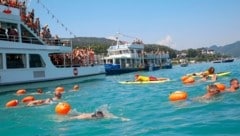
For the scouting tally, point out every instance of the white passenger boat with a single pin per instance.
(26, 58)
(130, 57)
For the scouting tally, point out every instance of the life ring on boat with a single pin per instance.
(21, 91)
(178, 95)
(59, 89)
(62, 108)
(28, 99)
(189, 80)
(75, 71)
(221, 87)
(7, 11)
(12, 103)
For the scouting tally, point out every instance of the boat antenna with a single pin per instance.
(117, 38)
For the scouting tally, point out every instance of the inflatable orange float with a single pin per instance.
(184, 78)
(220, 86)
(178, 95)
(21, 91)
(12, 103)
(28, 99)
(62, 108)
(59, 89)
(189, 80)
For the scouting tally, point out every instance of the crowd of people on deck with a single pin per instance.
(12, 3)
(78, 57)
(33, 23)
(9, 34)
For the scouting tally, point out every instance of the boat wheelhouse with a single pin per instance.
(25, 57)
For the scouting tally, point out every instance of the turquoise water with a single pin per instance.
(132, 109)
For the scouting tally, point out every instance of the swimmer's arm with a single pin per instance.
(214, 78)
(83, 116)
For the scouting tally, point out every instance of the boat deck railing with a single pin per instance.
(34, 40)
(98, 60)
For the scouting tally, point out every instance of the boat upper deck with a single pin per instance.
(21, 31)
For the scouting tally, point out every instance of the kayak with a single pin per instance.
(145, 82)
(199, 74)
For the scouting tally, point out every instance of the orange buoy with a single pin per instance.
(62, 108)
(189, 80)
(28, 99)
(21, 91)
(12, 103)
(184, 78)
(59, 89)
(220, 86)
(178, 95)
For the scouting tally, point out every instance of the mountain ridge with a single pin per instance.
(101, 44)
(232, 49)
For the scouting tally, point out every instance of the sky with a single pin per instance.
(179, 24)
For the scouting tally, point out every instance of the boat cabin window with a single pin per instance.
(28, 37)
(62, 60)
(8, 32)
(35, 61)
(1, 62)
(16, 61)
(117, 61)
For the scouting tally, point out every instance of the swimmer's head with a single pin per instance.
(58, 94)
(39, 90)
(212, 89)
(211, 70)
(234, 83)
(98, 114)
(76, 87)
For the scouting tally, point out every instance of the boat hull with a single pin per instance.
(223, 61)
(184, 65)
(50, 82)
(122, 71)
(227, 60)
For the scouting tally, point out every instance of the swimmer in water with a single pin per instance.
(75, 87)
(234, 85)
(96, 115)
(40, 102)
(212, 90)
(57, 95)
(39, 91)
